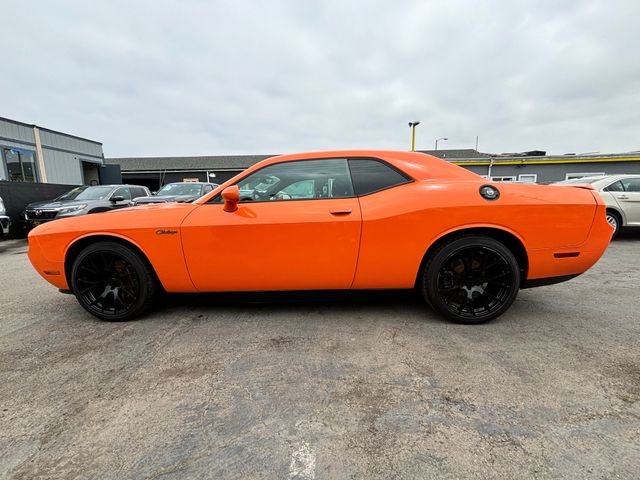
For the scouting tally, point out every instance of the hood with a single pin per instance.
(50, 204)
(167, 199)
(119, 221)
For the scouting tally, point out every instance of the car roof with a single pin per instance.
(417, 165)
(601, 181)
(113, 185)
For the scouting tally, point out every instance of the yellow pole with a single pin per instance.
(413, 138)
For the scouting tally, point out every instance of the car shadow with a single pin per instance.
(628, 234)
(364, 302)
(296, 298)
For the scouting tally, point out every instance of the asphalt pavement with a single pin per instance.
(327, 387)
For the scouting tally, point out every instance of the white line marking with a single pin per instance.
(303, 463)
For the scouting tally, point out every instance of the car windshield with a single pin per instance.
(180, 189)
(86, 193)
(71, 195)
(580, 180)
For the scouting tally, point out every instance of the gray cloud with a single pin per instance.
(203, 77)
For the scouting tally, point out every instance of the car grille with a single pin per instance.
(41, 214)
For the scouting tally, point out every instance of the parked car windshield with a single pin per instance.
(86, 193)
(179, 189)
(71, 195)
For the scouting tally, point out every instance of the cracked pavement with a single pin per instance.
(351, 386)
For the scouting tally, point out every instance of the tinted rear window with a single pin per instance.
(371, 175)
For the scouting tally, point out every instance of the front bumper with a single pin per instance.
(52, 271)
(35, 217)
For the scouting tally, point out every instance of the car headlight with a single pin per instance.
(75, 208)
(3, 211)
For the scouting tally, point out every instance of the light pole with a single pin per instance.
(413, 126)
(438, 139)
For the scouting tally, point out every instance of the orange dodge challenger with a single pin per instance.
(332, 221)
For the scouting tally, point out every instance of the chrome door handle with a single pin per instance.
(623, 197)
(346, 211)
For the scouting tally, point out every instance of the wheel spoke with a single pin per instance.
(497, 276)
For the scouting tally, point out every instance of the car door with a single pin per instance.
(629, 199)
(285, 235)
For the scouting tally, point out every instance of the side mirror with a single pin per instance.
(117, 198)
(231, 197)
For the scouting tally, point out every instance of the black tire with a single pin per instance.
(114, 282)
(614, 219)
(471, 279)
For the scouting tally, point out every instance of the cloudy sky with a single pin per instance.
(195, 77)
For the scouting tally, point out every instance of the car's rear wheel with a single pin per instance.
(113, 282)
(614, 220)
(471, 279)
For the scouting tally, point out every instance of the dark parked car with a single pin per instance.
(181, 192)
(83, 200)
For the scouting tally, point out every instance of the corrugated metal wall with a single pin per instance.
(62, 154)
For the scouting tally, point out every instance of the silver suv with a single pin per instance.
(621, 193)
(83, 200)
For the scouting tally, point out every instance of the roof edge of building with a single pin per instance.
(32, 125)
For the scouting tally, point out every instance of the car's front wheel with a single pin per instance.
(471, 279)
(113, 282)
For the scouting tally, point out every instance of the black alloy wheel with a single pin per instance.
(471, 279)
(113, 282)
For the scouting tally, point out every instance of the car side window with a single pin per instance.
(631, 184)
(370, 175)
(615, 187)
(207, 189)
(137, 192)
(298, 180)
(122, 192)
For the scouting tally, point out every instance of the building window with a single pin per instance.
(503, 179)
(569, 176)
(528, 177)
(21, 165)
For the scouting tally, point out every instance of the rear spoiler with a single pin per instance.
(586, 186)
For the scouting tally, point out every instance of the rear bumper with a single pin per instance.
(554, 265)
(541, 282)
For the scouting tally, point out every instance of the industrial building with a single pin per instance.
(531, 167)
(536, 167)
(34, 154)
(154, 172)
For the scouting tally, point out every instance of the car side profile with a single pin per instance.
(83, 200)
(621, 193)
(341, 220)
